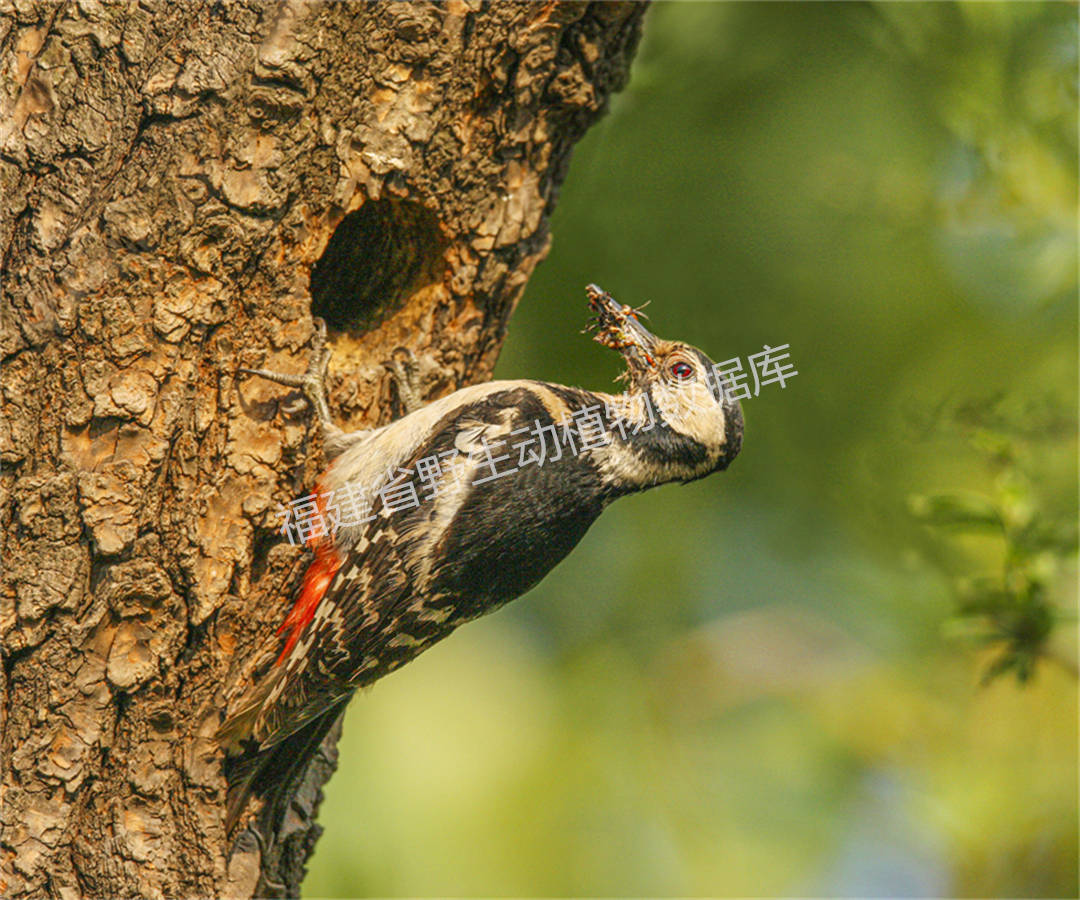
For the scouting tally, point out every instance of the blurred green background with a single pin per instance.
(771, 682)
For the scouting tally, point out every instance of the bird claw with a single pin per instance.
(405, 372)
(312, 383)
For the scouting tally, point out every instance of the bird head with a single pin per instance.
(682, 386)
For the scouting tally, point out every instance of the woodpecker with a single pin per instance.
(382, 588)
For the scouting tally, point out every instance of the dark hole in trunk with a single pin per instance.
(375, 259)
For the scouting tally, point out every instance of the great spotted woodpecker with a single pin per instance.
(382, 589)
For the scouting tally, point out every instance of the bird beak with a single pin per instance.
(619, 327)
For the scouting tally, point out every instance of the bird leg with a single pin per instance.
(402, 366)
(405, 371)
(311, 383)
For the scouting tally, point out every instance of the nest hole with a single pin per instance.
(376, 258)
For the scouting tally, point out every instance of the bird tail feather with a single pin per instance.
(273, 773)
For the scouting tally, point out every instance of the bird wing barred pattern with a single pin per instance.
(378, 611)
(341, 641)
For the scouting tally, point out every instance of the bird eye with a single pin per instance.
(682, 370)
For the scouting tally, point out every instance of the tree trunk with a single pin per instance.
(183, 186)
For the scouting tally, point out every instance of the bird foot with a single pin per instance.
(311, 383)
(405, 372)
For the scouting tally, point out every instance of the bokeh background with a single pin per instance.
(846, 666)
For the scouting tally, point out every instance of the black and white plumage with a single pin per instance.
(380, 591)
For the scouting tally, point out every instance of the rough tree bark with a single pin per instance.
(182, 186)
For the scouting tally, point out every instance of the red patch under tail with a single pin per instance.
(317, 579)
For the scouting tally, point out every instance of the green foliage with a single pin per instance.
(1011, 607)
